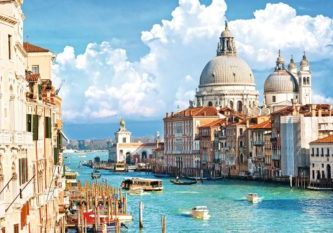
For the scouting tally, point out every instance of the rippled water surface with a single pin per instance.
(281, 210)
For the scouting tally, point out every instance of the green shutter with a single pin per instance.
(29, 122)
(47, 125)
(35, 127)
(56, 156)
(40, 91)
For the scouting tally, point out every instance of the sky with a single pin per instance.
(140, 59)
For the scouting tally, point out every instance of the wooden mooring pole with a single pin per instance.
(141, 215)
(163, 224)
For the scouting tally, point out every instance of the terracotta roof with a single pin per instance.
(30, 48)
(328, 139)
(32, 77)
(262, 125)
(197, 111)
(215, 123)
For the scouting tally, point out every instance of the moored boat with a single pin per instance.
(145, 184)
(181, 182)
(253, 197)
(161, 175)
(96, 174)
(119, 167)
(200, 212)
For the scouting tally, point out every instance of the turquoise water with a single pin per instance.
(281, 210)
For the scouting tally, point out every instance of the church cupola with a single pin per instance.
(279, 62)
(292, 66)
(226, 46)
(304, 65)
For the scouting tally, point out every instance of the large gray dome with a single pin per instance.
(281, 81)
(227, 70)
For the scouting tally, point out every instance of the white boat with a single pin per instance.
(253, 197)
(200, 212)
(137, 191)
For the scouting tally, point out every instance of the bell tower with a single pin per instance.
(305, 82)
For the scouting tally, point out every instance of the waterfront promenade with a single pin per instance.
(282, 209)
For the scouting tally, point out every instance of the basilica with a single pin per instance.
(228, 81)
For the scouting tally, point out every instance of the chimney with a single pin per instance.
(313, 110)
(171, 113)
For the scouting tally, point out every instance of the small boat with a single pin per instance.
(200, 212)
(96, 174)
(141, 183)
(161, 175)
(180, 182)
(119, 167)
(196, 178)
(253, 197)
(131, 168)
(138, 191)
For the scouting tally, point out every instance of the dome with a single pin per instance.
(281, 81)
(227, 70)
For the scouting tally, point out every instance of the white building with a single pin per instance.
(321, 159)
(297, 130)
(227, 80)
(286, 85)
(124, 150)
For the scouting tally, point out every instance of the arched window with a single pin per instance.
(239, 106)
(11, 108)
(308, 80)
(322, 174)
(210, 103)
(318, 175)
(304, 80)
(231, 104)
(241, 158)
(328, 171)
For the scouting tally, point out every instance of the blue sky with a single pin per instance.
(139, 59)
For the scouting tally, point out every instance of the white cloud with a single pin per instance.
(102, 82)
(321, 99)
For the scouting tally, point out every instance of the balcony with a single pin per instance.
(20, 138)
(258, 143)
(276, 156)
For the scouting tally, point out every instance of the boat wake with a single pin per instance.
(187, 192)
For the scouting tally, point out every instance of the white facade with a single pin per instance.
(227, 80)
(296, 134)
(285, 86)
(321, 161)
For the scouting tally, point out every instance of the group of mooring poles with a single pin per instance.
(163, 218)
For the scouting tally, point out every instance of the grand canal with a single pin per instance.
(281, 210)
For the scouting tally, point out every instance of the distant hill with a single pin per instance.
(107, 130)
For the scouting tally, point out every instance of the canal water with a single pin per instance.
(281, 210)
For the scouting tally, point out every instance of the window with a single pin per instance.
(317, 154)
(35, 69)
(29, 122)
(313, 174)
(273, 98)
(48, 128)
(322, 152)
(124, 139)
(9, 47)
(328, 152)
(240, 131)
(35, 126)
(312, 154)
(23, 170)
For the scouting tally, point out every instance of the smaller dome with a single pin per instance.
(281, 81)
(226, 32)
(304, 61)
(292, 64)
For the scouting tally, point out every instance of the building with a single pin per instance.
(181, 138)
(208, 163)
(321, 162)
(31, 184)
(227, 80)
(44, 122)
(124, 150)
(285, 85)
(260, 155)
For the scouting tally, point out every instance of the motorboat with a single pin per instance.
(119, 167)
(253, 197)
(96, 174)
(181, 182)
(141, 183)
(200, 212)
(137, 191)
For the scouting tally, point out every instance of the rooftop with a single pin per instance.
(328, 139)
(30, 48)
(262, 125)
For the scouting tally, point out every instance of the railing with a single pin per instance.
(258, 142)
(19, 138)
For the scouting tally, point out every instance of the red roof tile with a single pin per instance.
(328, 139)
(262, 125)
(30, 48)
(215, 123)
(197, 111)
(32, 77)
